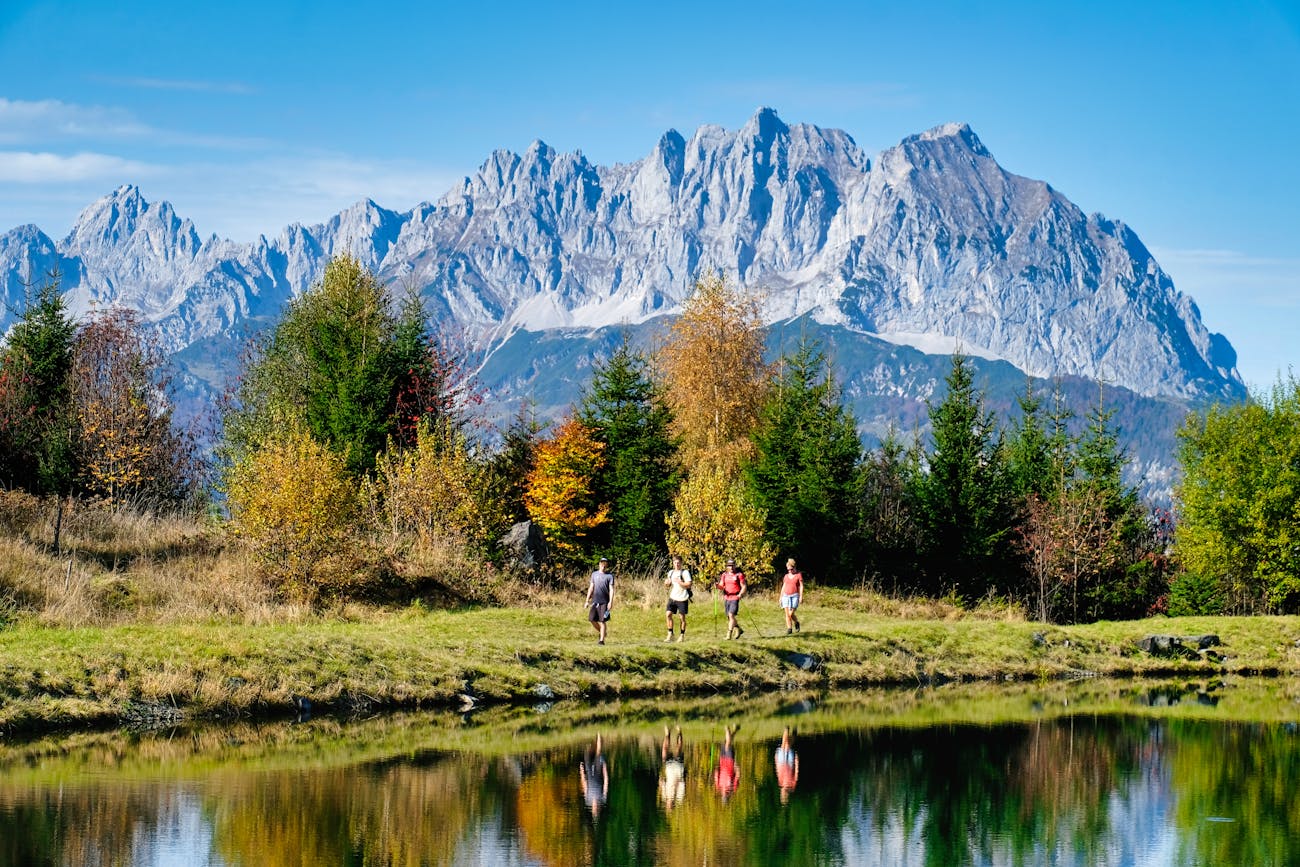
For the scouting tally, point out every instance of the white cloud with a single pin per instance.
(49, 120)
(42, 120)
(25, 167)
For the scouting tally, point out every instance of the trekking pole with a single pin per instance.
(714, 597)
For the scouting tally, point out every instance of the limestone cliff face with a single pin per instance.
(931, 244)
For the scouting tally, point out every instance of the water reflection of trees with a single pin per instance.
(1083, 791)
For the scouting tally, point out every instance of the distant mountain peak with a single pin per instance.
(953, 131)
(937, 240)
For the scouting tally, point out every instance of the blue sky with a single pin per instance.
(1181, 119)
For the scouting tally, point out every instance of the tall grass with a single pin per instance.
(131, 564)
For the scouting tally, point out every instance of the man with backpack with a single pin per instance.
(732, 584)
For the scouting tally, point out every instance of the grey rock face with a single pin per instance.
(932, 244)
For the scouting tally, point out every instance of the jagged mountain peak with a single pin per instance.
(765, 125)
(954, 134)
(117, 218)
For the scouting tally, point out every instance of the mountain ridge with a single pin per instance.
(930, 243)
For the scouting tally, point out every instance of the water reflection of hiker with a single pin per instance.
(672, 785)
(600, 599)
(593, 771)
(678, 583)
(732, 584)
(791, 595)
(787, 767)
(726, 776)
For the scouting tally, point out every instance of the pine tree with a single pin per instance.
(36, 423)
(1031, 468)
(625, 411)
(355, 373)
(806, 451)
(509, 467)
(886, 535)
(963, 498)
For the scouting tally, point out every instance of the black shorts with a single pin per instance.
(598, 613)
(731, 606)
(675, 607)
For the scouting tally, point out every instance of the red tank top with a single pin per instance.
(790, 583)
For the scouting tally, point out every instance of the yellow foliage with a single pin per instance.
(714, 518)
(714, 373)
(436, 490)
(292, 502)
(559, 495)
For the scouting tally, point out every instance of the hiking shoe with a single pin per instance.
(669, 638)
(682, 637)
(739, 632)
(796, 626)
(600, 641)
(788, 631)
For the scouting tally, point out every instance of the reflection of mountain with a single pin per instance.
(1086, 790)
(931, 246)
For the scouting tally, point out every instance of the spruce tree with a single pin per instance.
(963, 498)
(1029, 452)
(36, 422)
(343, 363)
(806, 451)
(886, 536)
(626, 411)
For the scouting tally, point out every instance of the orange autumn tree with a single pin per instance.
(560, 491)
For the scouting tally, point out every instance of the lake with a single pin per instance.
(1091, 773)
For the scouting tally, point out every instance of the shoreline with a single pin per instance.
(54, 679)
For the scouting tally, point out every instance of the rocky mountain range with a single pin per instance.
(929, 247)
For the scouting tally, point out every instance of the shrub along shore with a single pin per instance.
(371, 659)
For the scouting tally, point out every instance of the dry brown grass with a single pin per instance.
(124, 566)
(119, 566)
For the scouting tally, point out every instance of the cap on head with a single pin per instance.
(604, 559)
(731, 562)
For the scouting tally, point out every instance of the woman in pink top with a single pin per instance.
(791, 595)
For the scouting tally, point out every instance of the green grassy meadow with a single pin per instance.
(62, 677)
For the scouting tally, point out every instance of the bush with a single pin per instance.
(1192, 594)
(293, 504)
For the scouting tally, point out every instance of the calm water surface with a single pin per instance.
(1084, 789)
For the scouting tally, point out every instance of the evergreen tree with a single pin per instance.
(1030, 456)
(625, 411)
(886, 535)
(1120, 588)
(351, 370)
(36, 423)
(963, 498)
(509, 467)
(806, 451)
